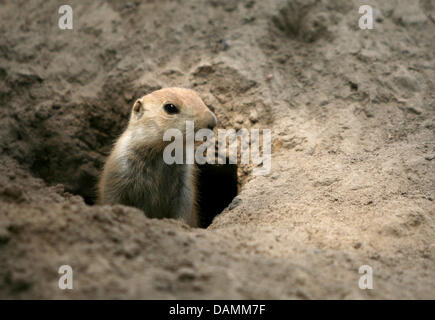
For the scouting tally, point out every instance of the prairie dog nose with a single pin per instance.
(212, 121)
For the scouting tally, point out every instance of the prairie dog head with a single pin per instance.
(165, 109)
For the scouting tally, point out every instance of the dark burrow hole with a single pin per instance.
(46, 166)
(217, 186)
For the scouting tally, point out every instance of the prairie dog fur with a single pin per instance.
(135, 173)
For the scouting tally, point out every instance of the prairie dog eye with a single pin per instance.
(170, 108)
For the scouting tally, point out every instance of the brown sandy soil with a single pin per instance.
(352, 114)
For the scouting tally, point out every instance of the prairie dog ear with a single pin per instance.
(138, 109)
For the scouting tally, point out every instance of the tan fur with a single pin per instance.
(135, 173)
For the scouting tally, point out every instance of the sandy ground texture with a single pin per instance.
(352, 115)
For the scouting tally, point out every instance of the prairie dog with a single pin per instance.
(135, 173)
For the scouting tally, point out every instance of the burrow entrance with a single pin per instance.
(217, 185)
(68, 142)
